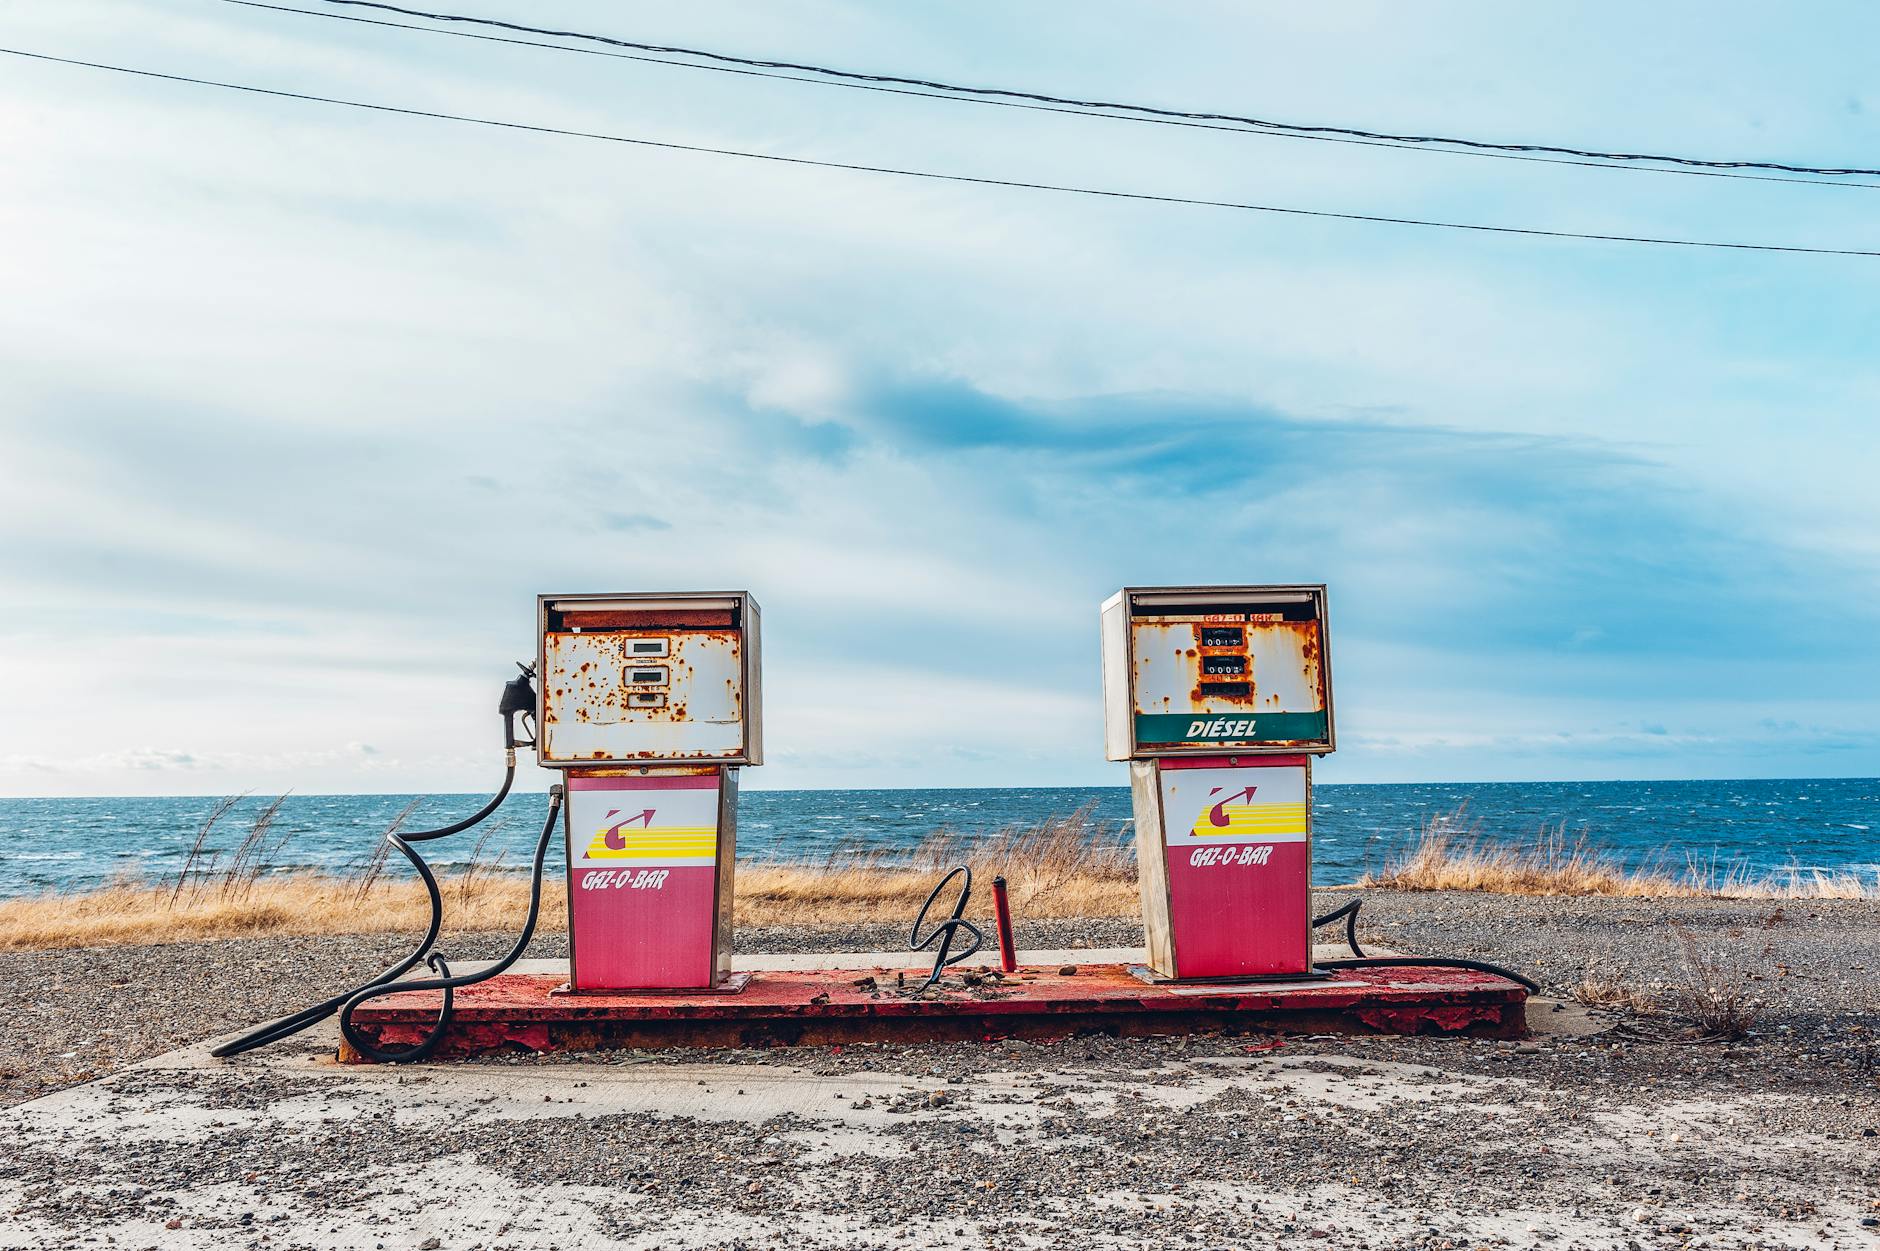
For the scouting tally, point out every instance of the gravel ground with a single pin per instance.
(1622, 1130)
(79, 1014)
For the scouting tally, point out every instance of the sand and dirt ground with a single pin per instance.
(1609, 1128)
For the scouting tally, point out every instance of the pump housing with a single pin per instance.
(635, 678)
(1209, 669)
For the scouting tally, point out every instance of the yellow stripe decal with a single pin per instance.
(1255, 819)
(678, 844)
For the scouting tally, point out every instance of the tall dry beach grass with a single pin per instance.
(1068, 866)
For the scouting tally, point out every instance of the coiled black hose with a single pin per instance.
(1350, 913)
(286, 1027)
(949, 927)
(518, 700)
(445, 982)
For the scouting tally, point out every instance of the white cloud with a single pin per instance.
(304, 406)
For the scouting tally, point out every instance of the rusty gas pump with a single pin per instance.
(1219, 697)
(649, 703)
(649, 707)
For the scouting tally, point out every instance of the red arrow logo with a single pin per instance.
(1217, 815)
(612, 836)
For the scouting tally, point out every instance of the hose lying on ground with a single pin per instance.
(274, 1031)
(1350, 913)
(445, 982)
(518, 700)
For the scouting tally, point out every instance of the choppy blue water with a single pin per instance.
(68, 844)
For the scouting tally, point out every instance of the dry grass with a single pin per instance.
(1070, 866)
(1451, 853)
(1598, 990)
(1065, 867)
(1713, 996)
(282, 904)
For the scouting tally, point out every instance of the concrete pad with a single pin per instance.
(1563, 1018)
(334, 1158)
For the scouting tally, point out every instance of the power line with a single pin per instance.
(1241, 129)
(1152, 110)
(1142, 196)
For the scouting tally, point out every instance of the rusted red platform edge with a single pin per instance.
(518, 1011)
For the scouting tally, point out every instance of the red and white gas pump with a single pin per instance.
(650, 704)
(1219, 697)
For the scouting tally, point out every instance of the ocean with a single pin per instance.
(1763, 824)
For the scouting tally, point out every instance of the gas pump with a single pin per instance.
(1219, 697)
(649, 706)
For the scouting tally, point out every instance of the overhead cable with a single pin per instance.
(1147, 109)
(1135, 119)
(931, 175)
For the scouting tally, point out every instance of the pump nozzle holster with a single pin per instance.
(518, 697)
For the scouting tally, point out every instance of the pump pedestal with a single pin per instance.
(1224, 856)
(650, 853)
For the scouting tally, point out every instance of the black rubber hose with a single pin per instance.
(286, 1027)
(448, 984)
(1431, 962)
(482, 814)
(1350, 913)
(948, 928)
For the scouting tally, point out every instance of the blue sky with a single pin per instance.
(303, 406)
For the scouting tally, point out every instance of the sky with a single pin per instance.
(302, 406)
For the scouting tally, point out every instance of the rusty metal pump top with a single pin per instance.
(662, 678)
(1191, 670)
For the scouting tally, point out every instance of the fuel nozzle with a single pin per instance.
(518, 697)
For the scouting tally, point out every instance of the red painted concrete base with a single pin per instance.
(521, 1012)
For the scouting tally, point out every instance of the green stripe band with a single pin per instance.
(1231, 727)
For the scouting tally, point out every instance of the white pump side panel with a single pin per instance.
(642, 695)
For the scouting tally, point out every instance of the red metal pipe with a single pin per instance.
(1008, 955)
